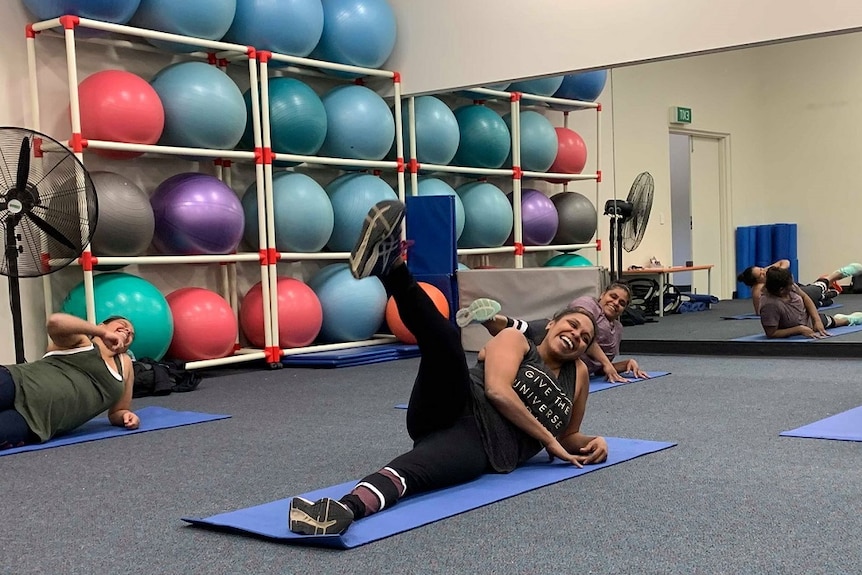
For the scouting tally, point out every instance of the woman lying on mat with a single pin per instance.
(607, 309)
(464, 422)
(786, 310)
(85, 371)
(821, 291)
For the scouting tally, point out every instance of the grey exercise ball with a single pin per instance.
(126, 221)
(577, 216)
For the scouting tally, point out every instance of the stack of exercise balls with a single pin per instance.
(134, 298)
(300, 314)
(488, 215)
(196, 214)
(119, 106)
(353, 310)
(539, 219)
(303, 215)
(204, 325)
(352, 195)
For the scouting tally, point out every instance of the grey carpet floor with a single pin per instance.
(732, 497)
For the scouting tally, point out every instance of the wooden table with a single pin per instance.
(663, 277)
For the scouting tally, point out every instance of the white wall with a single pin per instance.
(446, 44)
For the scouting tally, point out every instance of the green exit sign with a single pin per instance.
(680, 115)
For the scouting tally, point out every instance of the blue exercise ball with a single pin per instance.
(488, 215)
(114, 11)
(203, 107)
(352, 195)
(502, 86)
(437, 133)
(303, 216)
(207, 19)
(359, 124)
(291, 27)
(353, 309)
(297, 118)
(134, 298)
(583, 86)
(538, 141)
(538, 87)
(485, 140)
(435, 187)
(356, 32)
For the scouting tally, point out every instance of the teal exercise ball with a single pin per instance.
(352, 195)
(568, 261)
(137, 300)
(488, 215)
(359, 124)
(353, 310)
(437, 133)
(485, 139)
(539, 142)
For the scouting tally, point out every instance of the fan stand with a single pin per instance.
(14, 287)
(620, 212)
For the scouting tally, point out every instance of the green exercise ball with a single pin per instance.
(568, 261)
(134, 298)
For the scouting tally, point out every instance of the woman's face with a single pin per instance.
(124, 329)
(613, 302)
(570, 335)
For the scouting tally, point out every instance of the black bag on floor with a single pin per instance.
(162, 377)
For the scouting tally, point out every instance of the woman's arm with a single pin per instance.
(120, 413)
(68, 332)
(592, 449)
(503, 356)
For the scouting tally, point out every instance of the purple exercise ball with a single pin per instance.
(539, 217)
(196, 214)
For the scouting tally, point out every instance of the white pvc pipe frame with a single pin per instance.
(263, 173)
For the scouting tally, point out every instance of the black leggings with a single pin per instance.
(447, 447)
(14, 431)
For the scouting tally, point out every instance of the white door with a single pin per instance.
(706, 213)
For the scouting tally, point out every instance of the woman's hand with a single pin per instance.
(131, 420)
(633, 368)
(555, 450)
(613, 376)
(596, 451)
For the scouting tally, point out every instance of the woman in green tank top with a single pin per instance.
(85, 371)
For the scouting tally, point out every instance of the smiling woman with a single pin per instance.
(85, 371)
(519, 398)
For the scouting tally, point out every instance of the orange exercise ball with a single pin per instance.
(393, 320)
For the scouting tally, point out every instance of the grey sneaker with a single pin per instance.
(481, 310)
(323, 517)
(379, 240)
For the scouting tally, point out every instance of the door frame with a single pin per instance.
(728, 261)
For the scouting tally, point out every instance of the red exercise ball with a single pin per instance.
(119, 106)
(571, 154)
(300, 315)
(393, 320)
(204, 325)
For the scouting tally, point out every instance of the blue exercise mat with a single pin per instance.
(755, 316)
(152, 418)
(846, 426)
(598, 383)
(270, 519)
(352, 356)
(834, 331)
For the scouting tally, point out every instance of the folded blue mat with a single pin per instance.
(598, 383)
(846, 426)
(833, 331)
(352, 356)
(270, 519)
(755, 316)
(152, 418)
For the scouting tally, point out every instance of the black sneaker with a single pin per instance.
(323, 517)
(830, 293)
(379, 241)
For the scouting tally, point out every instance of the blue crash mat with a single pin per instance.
(834, 331)
(846, 426)
(270, 519)
(755, 316)
(152, 418)
(598, 383)
(352, 356)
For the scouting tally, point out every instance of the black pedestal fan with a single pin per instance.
(629, 219)
(48, 212)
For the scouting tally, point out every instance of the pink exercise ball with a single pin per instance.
(119, 106)
(300, 315)
(204, 325)
(571, 154)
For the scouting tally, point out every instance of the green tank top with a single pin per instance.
(65, 389)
